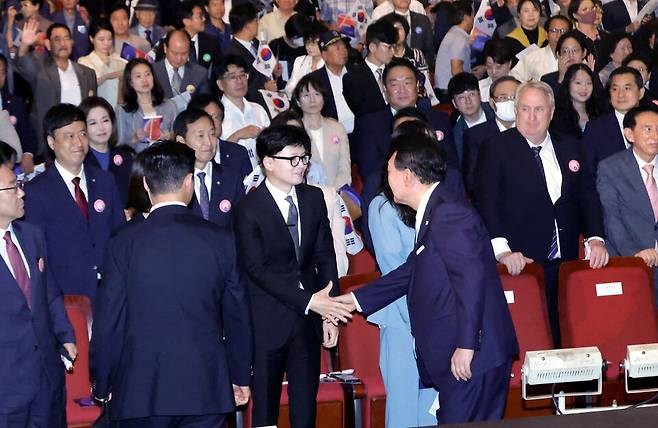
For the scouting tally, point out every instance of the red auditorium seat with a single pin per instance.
(358, 347)
(527, 304)
(78, 385)
(362, 262)
(626, 316)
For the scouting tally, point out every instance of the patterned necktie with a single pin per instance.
(176, 82)
(552, 253)
(147, 33)
(18, 267)
(292, 224)
(380, 82)
(204, 197)
(193, 58)
(80, 199)
(652, 189)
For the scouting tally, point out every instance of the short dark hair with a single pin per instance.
(638, 56)
(187, 117)
(285, 117)
(53, 27)
(173, 32)
(381, 31)
(201, 101)
(500, 50)
(637, 77)
(231, 59)
(421, 155)
(276, 138)
(458, 10)
(130, 95)
(314, 32)
(611, 44)
(398, 62)
(298, 25)
(630, 119)
(7, 153)
(535, 3)
(394, 18)
(575, 4)
(577, 36)
(241, 15)
(36, 3)
(117, 7)
(166, 164)
(412, 112)
(186, 10)
(138, 199)
(90, 103)
(550, 20)
(462, 82)
(305, 84)
(59, 116)
(99, 25)
(500, 80)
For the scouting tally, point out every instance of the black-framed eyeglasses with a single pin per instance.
(295, 160)
(19, 185)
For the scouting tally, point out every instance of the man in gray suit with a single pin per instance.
(627, 186)
(178, 77)
(54, 79)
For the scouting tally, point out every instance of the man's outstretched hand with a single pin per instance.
(330, 308)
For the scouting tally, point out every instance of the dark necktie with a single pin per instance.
(18, 267)
(80, 199)
(292, 225)
(147, 33)
(552, 253)
(193, 59)
(176, 82)
(204, 197)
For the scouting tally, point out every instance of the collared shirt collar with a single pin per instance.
(166, 204)
(280, 195)
(422, 206)
(247, 45)
(479, 120)
(230, 105)
(207, 169)
(620, 121)
(502, 127)
(67, 176)
(641, 163)
(547, 144)
(332, 75)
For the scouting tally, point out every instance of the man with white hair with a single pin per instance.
(535, 195)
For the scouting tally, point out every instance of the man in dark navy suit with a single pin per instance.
(34, 323)
(604, 135)
(620, 15)
(536, 196)
(463, 331)
(217, 189)
(76, 205)
(171, 340)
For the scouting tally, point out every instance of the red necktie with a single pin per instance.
(80, 199)
(17, 265)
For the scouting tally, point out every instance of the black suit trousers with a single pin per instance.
(298, 356)
(200, 421)
(551, 274)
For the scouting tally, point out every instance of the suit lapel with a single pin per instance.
(563, 163)
(85, 90)
(637, 184)
(53, 76)
(32, 258)
(305, 219)
(92, 196)
(61, 193)
(269, 205)
(527, 161)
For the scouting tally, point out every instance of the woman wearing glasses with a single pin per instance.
(329, 144)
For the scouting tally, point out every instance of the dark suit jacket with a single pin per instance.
(461, 127)
(194, 75)
(44, 79)
(267, 254)
(16, 107)
(160, 345)
(512, 198)
(453, 291)
(209, 51)
(602, 138)
(30, 338)
(474, 138)
(361, 91)
(121, 162)
(234, 157)
(157, 33)
(615, 15)
(225, 193)
(329, 109)
(422, 36)
(76, 248)
(80, 34)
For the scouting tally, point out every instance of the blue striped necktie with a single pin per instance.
(552, 254)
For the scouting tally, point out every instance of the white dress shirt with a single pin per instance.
(166, 204)
(68, 180)
(195, 43)
(345, 115)
(70, 87)
(250, 47)
(479, 120)
(485, 86)
(502, 127)
(5, 254)
(207, 180)
(387, 7)
(236, 119)
(422, 206)
(631, 8)
(378, 73)
(620, 121)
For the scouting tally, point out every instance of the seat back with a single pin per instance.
(526, 300)
(610, 307)
(361, 262)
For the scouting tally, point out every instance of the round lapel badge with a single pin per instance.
(225, 206)
(574, 165)
(117, 159)
(99, 205)
(206, 57)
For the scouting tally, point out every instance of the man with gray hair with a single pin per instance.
(535, 195)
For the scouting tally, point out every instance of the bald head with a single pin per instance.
(177, 48)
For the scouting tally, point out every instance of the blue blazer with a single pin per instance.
(121, 163)
(234, 157)
(447, 310)
(226, 191)
(76, 248)
(30, 339)
(80, 34)
(473, 139)
(602, 138)
(171, 326)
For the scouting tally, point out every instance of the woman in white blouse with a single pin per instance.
(305, 64)
(107, 65)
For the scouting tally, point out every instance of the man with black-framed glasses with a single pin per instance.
(285, 247)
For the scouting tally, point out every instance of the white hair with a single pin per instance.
(541, 86)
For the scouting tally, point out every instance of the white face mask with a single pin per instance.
(505, 111)
(297, 42)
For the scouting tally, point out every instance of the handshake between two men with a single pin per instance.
(333, 310)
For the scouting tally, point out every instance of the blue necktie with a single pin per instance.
(147, 33)
(204, 197)
(552, 254)
(193, 58)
